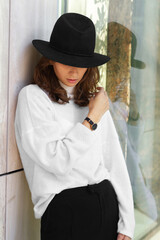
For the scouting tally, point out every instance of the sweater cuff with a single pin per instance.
(128, 228)
(82, 133)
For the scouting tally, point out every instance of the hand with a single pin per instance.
(123, 237)
(98, 104)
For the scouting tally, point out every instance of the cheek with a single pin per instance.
(59, 72)
(83, 72)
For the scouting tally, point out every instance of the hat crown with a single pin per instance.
(74, 34)
(72, 42)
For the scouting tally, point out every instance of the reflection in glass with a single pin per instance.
(131, 131)
(128, 31)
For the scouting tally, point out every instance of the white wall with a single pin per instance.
(20, 22)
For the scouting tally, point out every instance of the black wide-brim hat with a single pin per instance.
(72, 42)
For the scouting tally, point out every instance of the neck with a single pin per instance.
(69, 89)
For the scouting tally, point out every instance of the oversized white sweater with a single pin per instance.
(59, 152)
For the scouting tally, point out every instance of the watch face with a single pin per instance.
(94, 126)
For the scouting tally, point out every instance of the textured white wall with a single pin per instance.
(20, 22)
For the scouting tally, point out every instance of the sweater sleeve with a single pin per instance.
(119, 177)
(43, 139)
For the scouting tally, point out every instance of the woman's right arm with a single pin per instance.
(42, 138)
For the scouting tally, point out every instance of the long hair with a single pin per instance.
(45, 77)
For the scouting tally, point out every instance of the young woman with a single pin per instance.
(68, 143)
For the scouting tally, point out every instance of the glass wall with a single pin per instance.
(128, 31)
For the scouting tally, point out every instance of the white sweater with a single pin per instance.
(59, 152)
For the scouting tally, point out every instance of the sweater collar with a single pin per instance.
(69, 89)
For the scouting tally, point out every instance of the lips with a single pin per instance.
(71, 80)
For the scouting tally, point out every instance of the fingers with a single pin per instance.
(120, 236)
(123, 237)
(127, 238)
(101, 89)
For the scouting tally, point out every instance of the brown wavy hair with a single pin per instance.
(45, 77)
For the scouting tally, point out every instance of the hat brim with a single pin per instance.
(72, 60)
(137, 64)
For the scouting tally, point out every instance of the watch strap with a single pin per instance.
(93, 125)
(89, 120)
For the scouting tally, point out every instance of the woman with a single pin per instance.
(68, 143)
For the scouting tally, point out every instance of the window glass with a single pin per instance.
(128, 31)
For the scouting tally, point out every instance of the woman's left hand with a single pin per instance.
(123, 237)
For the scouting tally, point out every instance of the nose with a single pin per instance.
(73, 70)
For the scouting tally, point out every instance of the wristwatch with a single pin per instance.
(93, 125)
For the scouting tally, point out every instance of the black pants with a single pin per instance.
(84, 213)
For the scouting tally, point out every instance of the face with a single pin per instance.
(68, 75)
